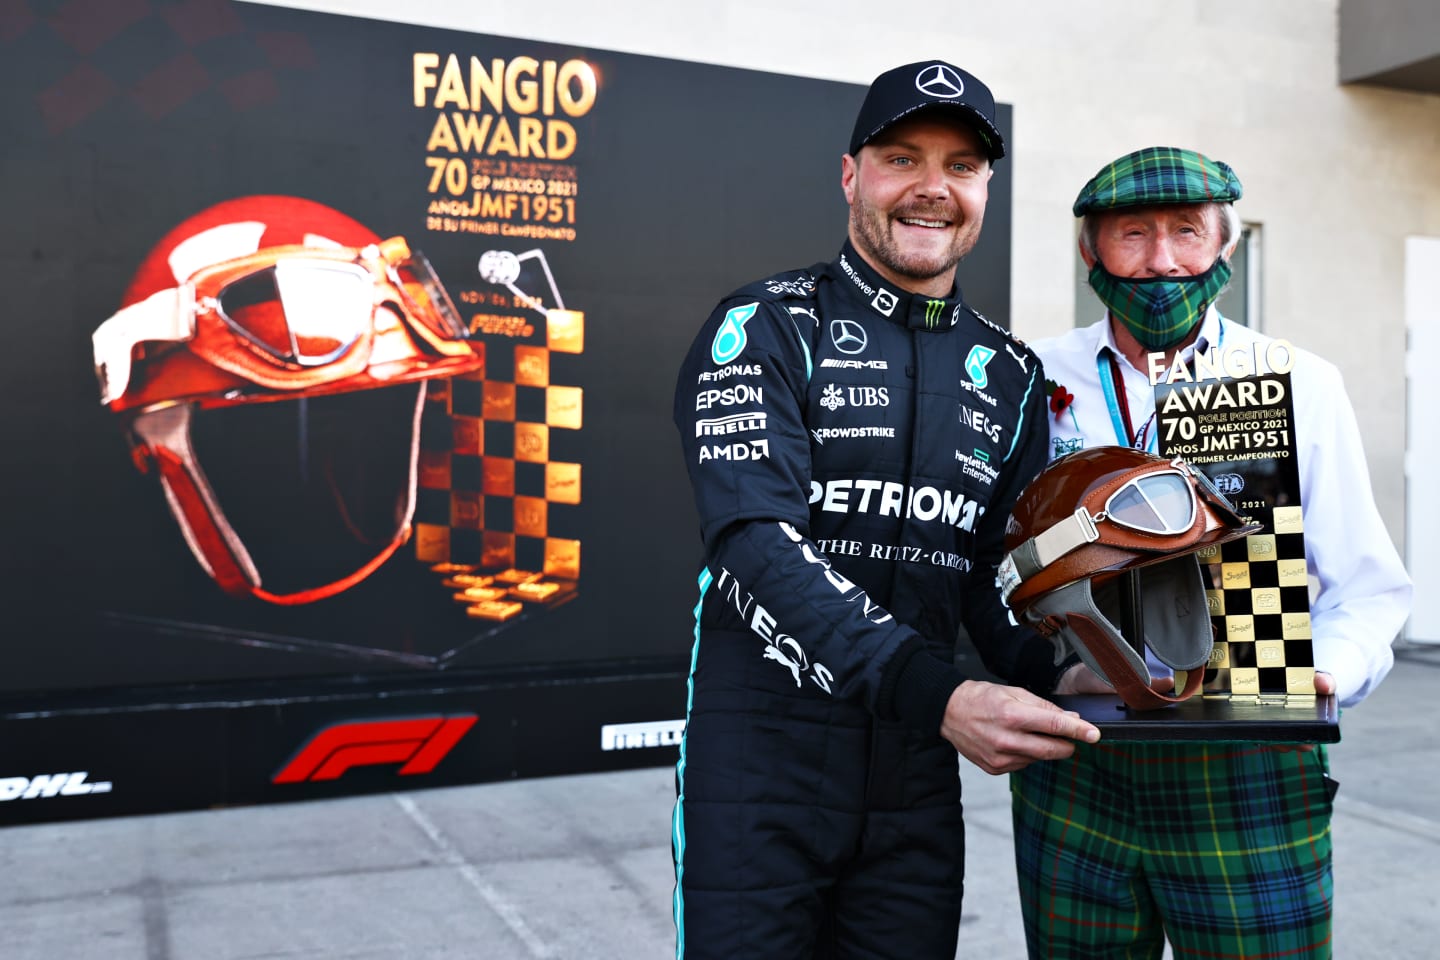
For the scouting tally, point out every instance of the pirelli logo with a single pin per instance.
(735, 423)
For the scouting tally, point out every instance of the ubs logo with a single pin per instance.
(940, 81)
(848, 336)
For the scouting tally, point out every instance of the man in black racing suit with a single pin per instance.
(856, 436)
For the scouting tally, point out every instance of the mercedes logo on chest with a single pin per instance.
(848, 336)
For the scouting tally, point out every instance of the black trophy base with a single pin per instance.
(1205, 719)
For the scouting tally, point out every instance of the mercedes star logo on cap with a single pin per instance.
(938, 80)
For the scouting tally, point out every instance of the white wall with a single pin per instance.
(1338, 176)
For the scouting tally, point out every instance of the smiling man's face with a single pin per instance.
(917, 198)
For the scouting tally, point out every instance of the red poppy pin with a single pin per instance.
(1060, 398)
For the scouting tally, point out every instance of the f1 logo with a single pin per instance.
(419, 744)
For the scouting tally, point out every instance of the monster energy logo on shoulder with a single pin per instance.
(933, 309)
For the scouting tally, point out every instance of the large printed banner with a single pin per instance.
(341, 350)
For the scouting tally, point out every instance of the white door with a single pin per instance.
(1422, 456)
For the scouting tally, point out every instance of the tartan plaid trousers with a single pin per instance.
(1224, 848)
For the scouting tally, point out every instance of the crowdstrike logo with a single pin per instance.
(939, 81)
(821, 434)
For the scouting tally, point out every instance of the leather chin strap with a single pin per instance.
(165, 438)
(1134, 689)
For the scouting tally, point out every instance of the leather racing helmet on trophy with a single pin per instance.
(1094, 516)
(263, 299)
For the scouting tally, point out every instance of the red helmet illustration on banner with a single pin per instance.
(263, 299)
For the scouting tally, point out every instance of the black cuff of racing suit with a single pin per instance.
(918, 687)
(1036, 669)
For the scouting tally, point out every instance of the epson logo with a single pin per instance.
(734, 370)
(735, 423)
(641, 736)
(890, 499)
(729, 397)
(856, 364)
(751, 450)
(44, 785)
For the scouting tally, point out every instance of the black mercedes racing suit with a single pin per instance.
(855, 452)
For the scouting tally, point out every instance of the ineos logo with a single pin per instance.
(939, 81)
(848, 336)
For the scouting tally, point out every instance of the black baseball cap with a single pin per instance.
(897, 93)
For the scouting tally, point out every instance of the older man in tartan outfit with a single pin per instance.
(1223, 848)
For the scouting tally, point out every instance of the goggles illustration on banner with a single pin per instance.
(265, 299)
(1095, 514)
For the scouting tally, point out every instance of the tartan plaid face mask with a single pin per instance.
(1159, 311)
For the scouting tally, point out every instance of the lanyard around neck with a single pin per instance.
(1113, 383)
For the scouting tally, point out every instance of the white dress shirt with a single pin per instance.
(1363, 594)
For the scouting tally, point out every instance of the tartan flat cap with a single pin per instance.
(1158, 175)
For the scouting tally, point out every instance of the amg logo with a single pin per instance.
(855, 364)
(735, 423)
(50, 785)
(640, 736)
(751, 450)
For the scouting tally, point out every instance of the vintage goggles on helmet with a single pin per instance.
(285, 319)
(1104, 514)
(1159, 508)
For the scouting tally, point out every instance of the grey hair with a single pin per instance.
(1229, 230)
